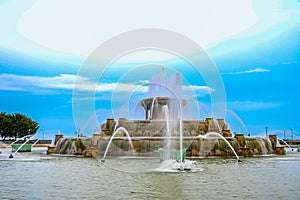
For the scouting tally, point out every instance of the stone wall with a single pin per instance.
(148, 136)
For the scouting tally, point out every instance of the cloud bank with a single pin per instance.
(36, 84)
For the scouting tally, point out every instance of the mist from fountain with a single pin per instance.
(138, 109)
(162, 86)
(174, 166)
(165, 111)
(269, 143)
(153, 107)
(116, 126)
(206, 110)
(181, 138)
(206, 145)
(111, 139)
(98, 130)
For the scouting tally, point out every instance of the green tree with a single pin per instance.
(4, 125)
(16, 125)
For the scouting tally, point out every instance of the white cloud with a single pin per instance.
(121, 87)
(256, 70)
(15, 82)
(25, 83)
(62, 81)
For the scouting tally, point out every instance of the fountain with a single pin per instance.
(113, 136)
(224, 139)
(165, 134)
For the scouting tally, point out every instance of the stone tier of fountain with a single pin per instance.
(147, 136)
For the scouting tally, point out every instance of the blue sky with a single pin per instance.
(254, 45)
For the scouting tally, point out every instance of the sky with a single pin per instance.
(252, 46)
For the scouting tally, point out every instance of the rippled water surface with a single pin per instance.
(36, 175)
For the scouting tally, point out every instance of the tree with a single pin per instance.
(4, 125)
(16, 125)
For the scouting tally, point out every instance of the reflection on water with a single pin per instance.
(36, 175)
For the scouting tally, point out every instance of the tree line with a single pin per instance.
(16, 125)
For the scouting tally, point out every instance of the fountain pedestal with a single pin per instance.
(153, 106)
